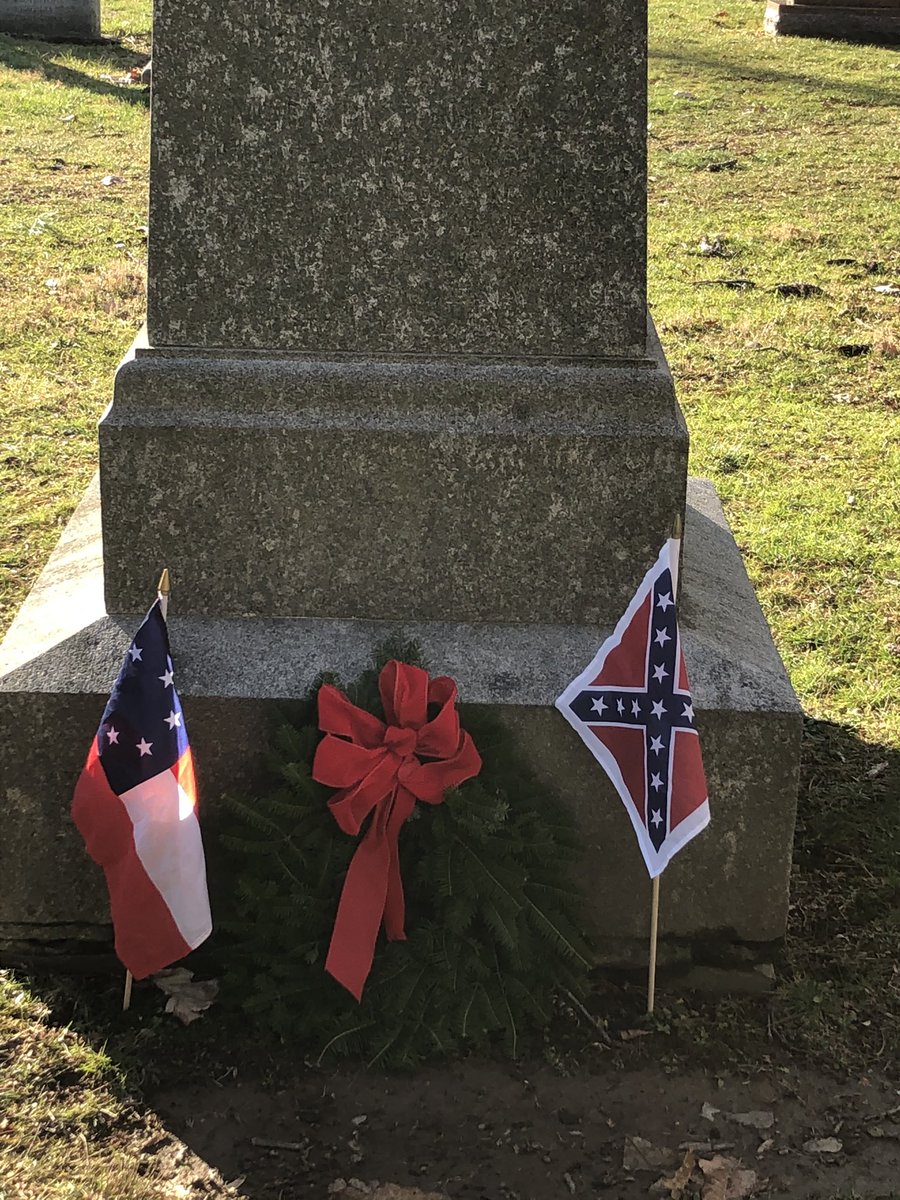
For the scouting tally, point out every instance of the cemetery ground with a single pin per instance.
(775, 283)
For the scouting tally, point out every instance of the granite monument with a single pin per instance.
(398, 377)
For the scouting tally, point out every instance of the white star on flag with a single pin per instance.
(646, 740)
(137, 812)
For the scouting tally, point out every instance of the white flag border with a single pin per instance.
(687, 829)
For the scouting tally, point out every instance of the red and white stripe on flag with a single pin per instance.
(135, 805)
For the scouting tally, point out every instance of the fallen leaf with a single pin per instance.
(111, 180)
(764, 1147)
(676, 1184)
(708, 1112)
(757, 1119)
(829, 1145)
(641, 1155)
(801, 290)
(68, 117)
(726, 1179)
(628, 1035)
(188, 998)
(887, 289)
(714, 247)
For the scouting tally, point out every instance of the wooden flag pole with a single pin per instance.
(654, 929)
(162, 591)
(677, 531)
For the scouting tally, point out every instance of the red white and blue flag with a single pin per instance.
(632, 708)
(135, 806)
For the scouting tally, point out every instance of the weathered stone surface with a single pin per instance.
(458, 491)
(77, 20)
(463, 176)
(62, 654)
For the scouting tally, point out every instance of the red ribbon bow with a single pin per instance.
(380, 771)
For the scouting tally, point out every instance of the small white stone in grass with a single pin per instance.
(111, 180)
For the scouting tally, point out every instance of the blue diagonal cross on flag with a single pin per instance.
(632, 708)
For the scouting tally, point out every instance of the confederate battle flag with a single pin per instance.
(135, 807)
(632, 708)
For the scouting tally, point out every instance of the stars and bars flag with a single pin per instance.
(135, 805)
(632, 708)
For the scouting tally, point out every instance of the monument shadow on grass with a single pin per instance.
(27, 54)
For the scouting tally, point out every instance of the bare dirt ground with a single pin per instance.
(501, 1132)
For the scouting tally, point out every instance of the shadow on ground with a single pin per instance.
(25, 54)
(816, 1060)
(718, 64)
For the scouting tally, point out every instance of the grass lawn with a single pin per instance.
(772, 162)
(72, 278)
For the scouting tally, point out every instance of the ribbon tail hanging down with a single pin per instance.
(359, 914)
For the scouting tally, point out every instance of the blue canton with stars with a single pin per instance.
(142, 730)
(656, 707)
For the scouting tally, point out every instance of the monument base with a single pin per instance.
(456, 489)
(850, 22)
(725, 897)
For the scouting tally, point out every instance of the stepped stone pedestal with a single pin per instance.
(398, 378)
(53, 20)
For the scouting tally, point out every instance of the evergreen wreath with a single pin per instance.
(494, 921)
